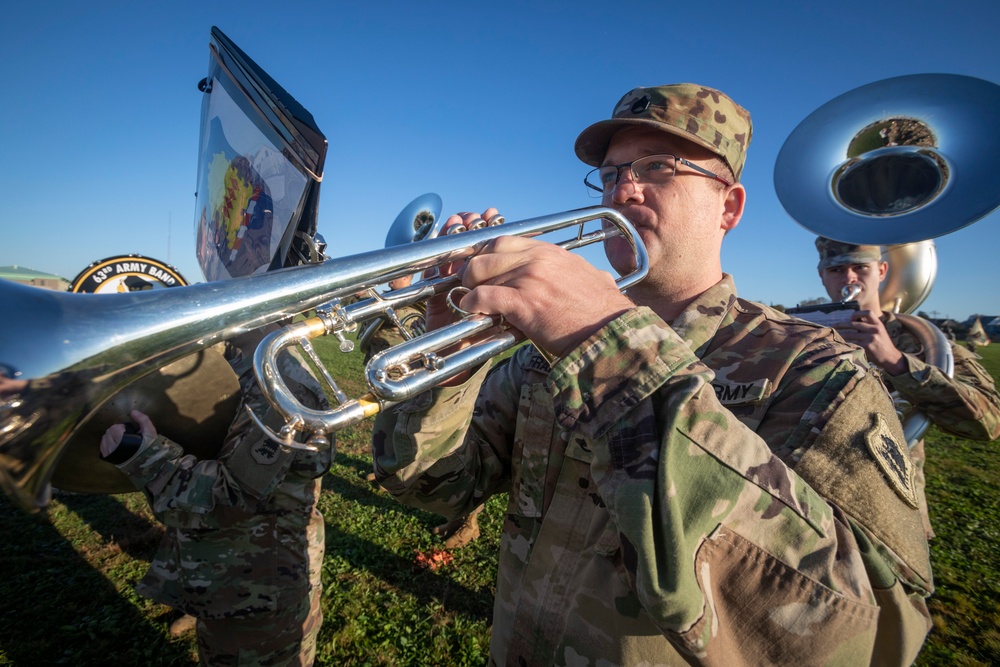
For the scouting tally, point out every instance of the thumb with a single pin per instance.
(145, 424)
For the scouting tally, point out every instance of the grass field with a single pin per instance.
(67, 590)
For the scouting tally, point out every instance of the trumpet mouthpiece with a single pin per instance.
(849, 292)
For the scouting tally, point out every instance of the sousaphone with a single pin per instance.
(897, 163)
(419, 220)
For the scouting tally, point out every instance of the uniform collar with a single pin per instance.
(698, 323)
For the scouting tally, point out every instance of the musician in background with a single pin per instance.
(692, 477)
(243, 544)
(966, 405)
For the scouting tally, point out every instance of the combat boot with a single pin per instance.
(466, 533)
(183, 625)
(447, 529)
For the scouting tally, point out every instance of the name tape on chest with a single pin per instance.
(739, 393)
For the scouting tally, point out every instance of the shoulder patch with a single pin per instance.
(892, 460)
(538, 363)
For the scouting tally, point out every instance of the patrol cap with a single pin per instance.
(702, 115)
(837, 253)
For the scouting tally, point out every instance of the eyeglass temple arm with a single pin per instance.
(702, 170)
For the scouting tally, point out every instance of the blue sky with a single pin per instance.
(480, 103)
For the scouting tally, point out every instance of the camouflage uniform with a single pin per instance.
(966, 405)
(730, 489)
(463, 529)
(243, 546)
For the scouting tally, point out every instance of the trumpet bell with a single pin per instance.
(880, 164)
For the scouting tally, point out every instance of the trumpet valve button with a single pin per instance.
(433, 362)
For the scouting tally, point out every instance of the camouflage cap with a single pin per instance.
(701, 115)
(838, 253)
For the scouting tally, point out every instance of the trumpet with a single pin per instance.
(417, 364)
(66, 355)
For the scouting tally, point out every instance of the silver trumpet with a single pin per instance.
(407, 369)
(63, 356)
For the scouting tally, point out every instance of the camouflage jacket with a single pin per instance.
(242, 532)
(731, 490)
(966, 404)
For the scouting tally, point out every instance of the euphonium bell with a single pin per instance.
(65, 355)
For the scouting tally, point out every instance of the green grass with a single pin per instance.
(67, 590)
(963, 494)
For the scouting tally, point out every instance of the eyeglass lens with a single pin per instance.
(652, 170)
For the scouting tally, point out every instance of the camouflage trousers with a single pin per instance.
(285, 638)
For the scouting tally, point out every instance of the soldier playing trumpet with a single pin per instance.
(648, 521)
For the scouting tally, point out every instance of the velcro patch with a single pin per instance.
(893, 460)
(266, 451)
(537, 362)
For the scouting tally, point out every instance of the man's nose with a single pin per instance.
(626, 189)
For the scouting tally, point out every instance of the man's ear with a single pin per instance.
(732, 206)
(883, 269)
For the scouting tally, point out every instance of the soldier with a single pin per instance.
(462, 530)
(966, 404)
(243, 544)
(692, 477)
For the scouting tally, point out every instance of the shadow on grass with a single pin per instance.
(56, 609)
(396, 567)
(108, 516)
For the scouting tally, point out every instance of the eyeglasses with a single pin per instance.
(649, 170)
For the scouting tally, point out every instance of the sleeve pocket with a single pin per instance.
(758, 606)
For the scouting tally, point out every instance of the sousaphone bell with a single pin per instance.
(897, 163)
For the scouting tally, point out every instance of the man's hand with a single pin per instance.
(867, 331)
(438, 313)
(112, 438)
(555, 298)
